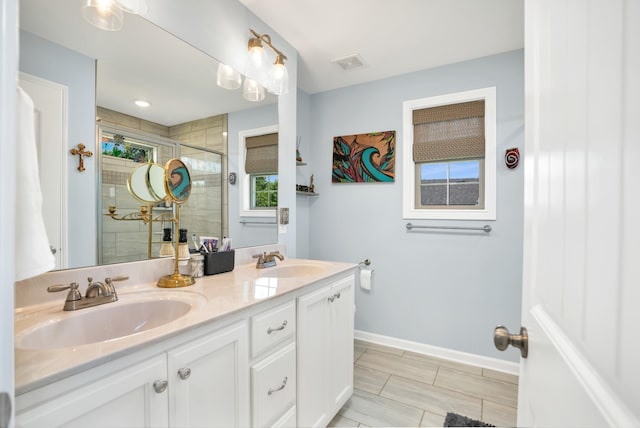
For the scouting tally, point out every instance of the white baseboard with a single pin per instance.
(438, 352)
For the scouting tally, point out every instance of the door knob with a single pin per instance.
(502, 339)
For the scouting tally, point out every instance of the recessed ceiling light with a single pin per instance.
(142, 103)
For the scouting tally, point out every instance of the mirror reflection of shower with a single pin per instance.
(124, 151)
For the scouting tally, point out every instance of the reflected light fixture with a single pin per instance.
(228, 78)
(276, 80)
(108, 14)
(104, 14)
(252, 91)
(142, 103)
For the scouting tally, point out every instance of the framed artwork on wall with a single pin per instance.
(364, 158)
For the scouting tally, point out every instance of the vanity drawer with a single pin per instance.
(273, 386)
(271, 327)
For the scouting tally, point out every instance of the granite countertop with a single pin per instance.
(211, 298)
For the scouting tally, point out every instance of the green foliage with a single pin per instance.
(265, 189)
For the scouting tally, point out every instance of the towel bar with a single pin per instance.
(486, 228)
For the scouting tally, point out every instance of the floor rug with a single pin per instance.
(456, 420)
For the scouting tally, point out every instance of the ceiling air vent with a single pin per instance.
(349, 62)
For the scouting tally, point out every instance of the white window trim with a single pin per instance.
(244, 180)
(408, 189)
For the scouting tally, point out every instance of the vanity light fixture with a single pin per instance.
(108, 14)
(142, 103)
(276, 80)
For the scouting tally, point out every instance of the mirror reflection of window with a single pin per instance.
(264, 191)
(261, 172)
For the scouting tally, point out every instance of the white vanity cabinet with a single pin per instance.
(108, 397)
(273, 372)
(325, 351)
(208, 380)
(202, 383)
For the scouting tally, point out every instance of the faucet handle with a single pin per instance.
(116, 278)
(260, 257)
(73, 295)
(61, 287)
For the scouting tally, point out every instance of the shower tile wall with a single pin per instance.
(208, 206)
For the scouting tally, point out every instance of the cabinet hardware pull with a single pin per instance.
(184, 373)
(332, 298)
(160, 386)
(280, 388)
(337, 295)
(282, 326)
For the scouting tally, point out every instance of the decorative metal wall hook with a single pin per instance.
(80, 151)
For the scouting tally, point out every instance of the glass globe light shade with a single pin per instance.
(252, 90)
(104, 14)
(227, 77)
(278, 78)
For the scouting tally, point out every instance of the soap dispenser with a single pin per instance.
(183, 248)
(166, 249)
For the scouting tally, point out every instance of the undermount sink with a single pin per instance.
(130, 315)
(291, 271)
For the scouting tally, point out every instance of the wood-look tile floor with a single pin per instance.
(396, 388)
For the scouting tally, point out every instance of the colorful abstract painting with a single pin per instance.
(364, 158)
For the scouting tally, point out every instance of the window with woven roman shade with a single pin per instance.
(449, 156)
(449, 132)
(262, 154)
(258, 171)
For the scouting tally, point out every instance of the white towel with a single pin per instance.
(32, 251)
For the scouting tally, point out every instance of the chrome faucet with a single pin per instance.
(97, 293)
(267, 260)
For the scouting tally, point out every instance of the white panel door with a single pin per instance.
(50, 101)
(313, 365)
(341, 331)
(582, 240)
(126, 398)
(209, 380)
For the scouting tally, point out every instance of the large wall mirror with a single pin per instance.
(189, 117)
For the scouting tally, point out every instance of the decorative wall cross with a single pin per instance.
(80, 151)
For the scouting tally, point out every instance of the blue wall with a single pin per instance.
(444, 289)
(247, 235)
(41, 58)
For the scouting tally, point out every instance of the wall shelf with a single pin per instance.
(307, 193)
(298, 163)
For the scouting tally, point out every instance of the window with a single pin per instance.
(264, 191)
(258, 178)
(449, 156)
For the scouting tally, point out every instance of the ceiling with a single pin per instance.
(392, 37)
(141, 61)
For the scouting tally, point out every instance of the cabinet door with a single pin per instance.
(209, 380)
(126, 398)
(340, 349)
(313, 342)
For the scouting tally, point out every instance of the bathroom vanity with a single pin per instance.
(256, 347)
